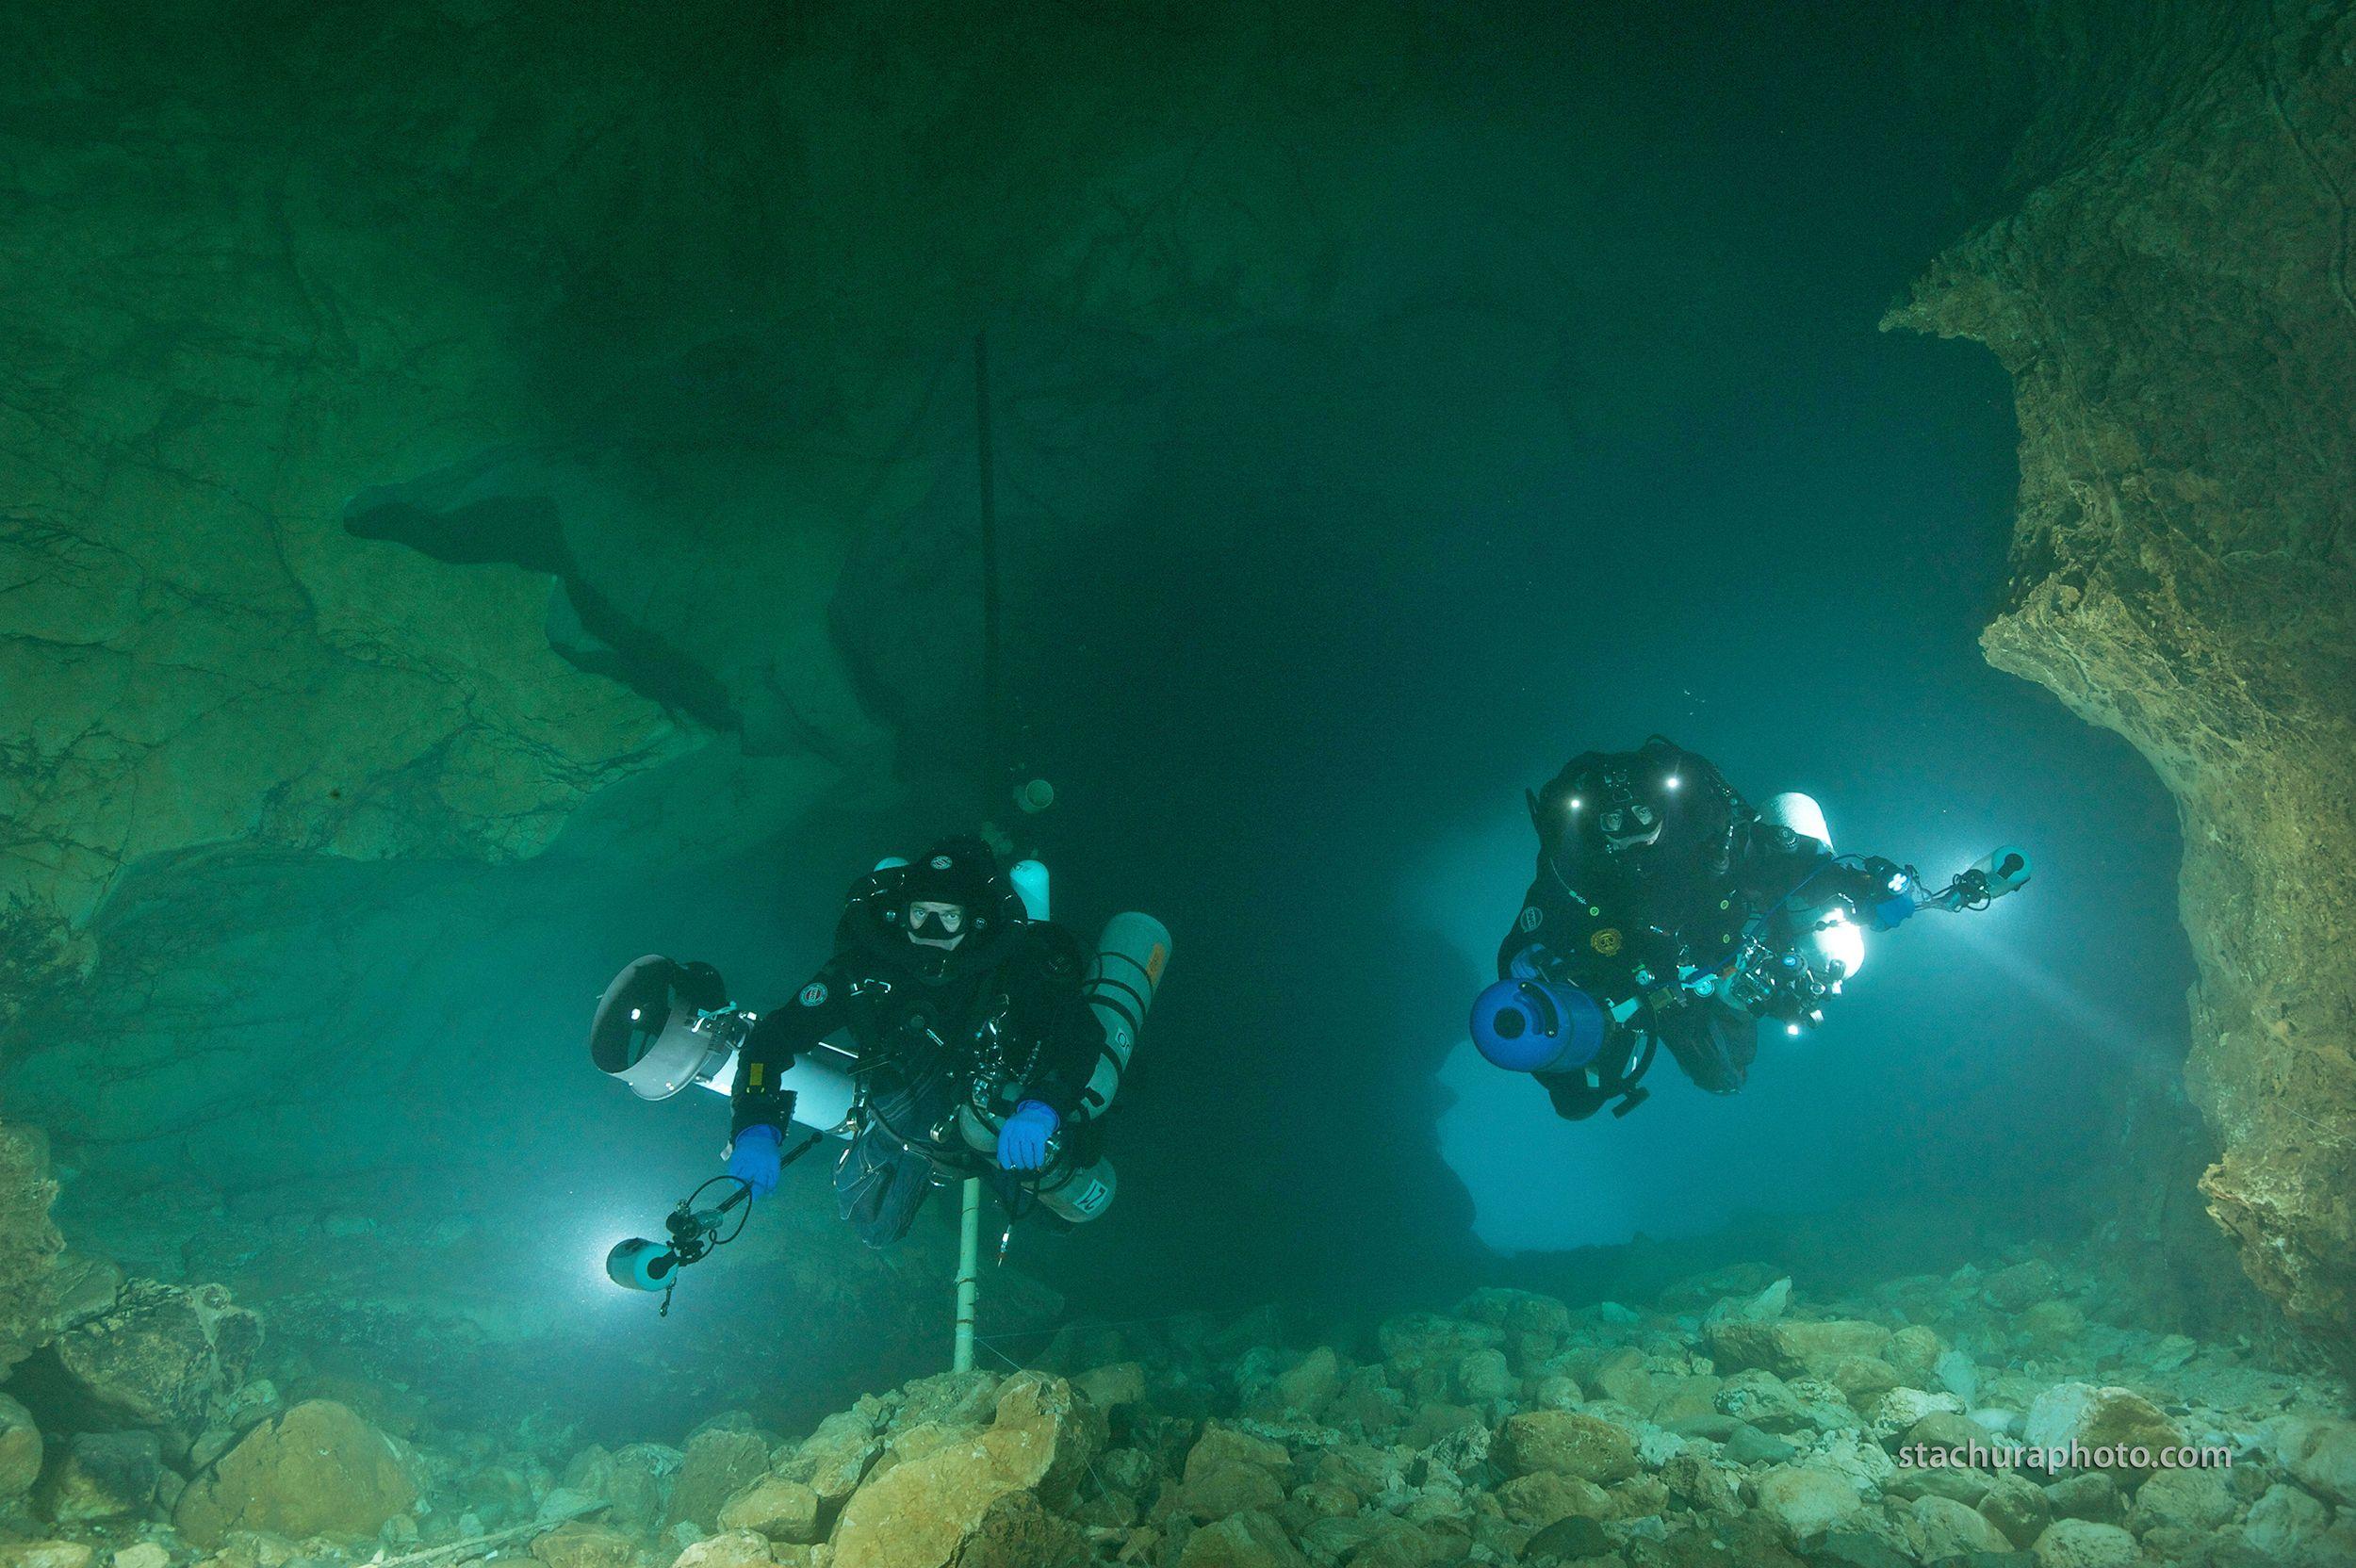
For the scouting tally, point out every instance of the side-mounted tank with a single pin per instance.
(1123, 976)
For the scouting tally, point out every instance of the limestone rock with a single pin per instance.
(1244, 1540)
(922, 1511)
(1570, 1540)
(1567, 1443)
(1541, 1497)
(1701, 1484)
(1914, 1353)
(1114, 1387)
(1221, 1447)
(584, 1545)
(1422, 1349)
(317, 1470)
(100, 1476)
(2321, 1455)
(2083, 1543)
(2093, 1495)
(1901, 1410)
(1950, 1530)
(2194, 1500)
(1517, 1311)
(46, 1554)
(2112, 1420)
(1483, 1377)
(1806, 1501)
(2181, 570)
(2021, 1286)
(162, 1356)
(833, 1458)
(2287, 1525)
(1792, 1347)
(1016, 1532)
(774, 1506)
(1396, 1543)
(1310, 1384)
(2018, 1507)
(29, 1242)
(635, 1480)
(19, 1450)
(718, 1464)
(735, 1549)
(1764, 1401)
(1216, 1491)
(949, 1399)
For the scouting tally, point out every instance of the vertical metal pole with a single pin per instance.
(969, 1274)
(993, 719)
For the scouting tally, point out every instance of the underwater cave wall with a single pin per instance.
(478, 476)
(2170, 286)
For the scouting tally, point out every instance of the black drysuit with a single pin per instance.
(1598, 918)
(923, 1024)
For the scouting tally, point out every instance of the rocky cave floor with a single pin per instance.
(1729, 1422)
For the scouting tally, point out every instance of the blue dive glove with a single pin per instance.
(1891, 910)
(1023, 1137)
(755, 1159)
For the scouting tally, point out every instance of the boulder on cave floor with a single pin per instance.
(924, 1511)
(1568, 1443)
(317, 1470)
(95, 1477)
(719, 1463)
(19, 1450)
(580, 1543)
(774, 1506)
(2083, 1544)
(1250, 1540)
(635, 1480)
(47, 1554)
(733, 1549)
(161, 1357)
(1794, 1347)
(2108, 1422)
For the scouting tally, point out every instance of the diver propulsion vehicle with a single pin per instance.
(662, 1027)
(1533, 1022)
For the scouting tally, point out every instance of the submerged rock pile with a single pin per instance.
(1730, 1423)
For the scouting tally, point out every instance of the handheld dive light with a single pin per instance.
(643, 1263)
(2000, 871)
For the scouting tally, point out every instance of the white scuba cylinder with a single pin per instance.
(1080, 1195)
(823, 1082)
(1799, 813)
(1030, 882)
(1130, 957)
(824, 1087)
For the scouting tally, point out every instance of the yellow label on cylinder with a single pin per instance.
(1153, 962)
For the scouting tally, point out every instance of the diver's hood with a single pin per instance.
(958, 871)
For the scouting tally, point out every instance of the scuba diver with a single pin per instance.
(939, 976)
(956, 1031)
(1666, 910)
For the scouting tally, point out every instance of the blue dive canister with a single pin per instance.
(1537, 1026)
